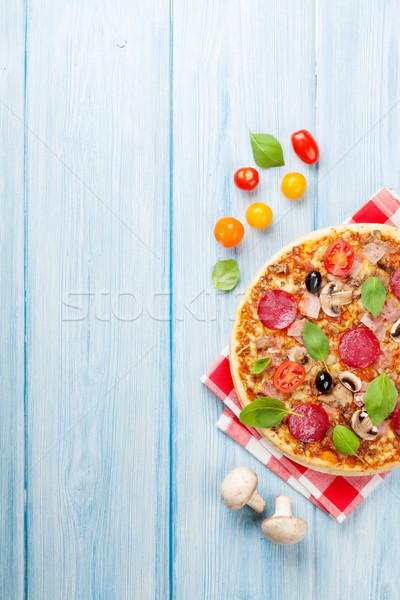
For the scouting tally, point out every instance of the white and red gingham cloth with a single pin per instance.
(335, 495)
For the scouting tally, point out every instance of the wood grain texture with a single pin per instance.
(358, 118)
(102, 520)
(12, 73)
(236, 66)
(97, 356)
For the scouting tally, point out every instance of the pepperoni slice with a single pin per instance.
(359, 348)
(312, 427)
(396, 420)
(395, 283)
(277, 309)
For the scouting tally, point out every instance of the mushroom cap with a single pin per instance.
(238, 487)
(332, 297)
(363, 426)
(284, 530)
(350, 381)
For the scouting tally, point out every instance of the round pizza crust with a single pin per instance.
(269, 434)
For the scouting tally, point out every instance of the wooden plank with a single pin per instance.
(358, 117)
(97, 350)
(12, 81)
(236, 66)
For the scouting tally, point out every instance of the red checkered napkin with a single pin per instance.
(335, 495)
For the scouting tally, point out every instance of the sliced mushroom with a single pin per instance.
(395, 331)
(299, 354)
(332, 298)
(350, 381)
(362, 425)
(279, 268)
(354, 285)
(385, 266)
(339, 396)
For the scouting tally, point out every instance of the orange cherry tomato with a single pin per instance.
(293, 185)
(246, 179)
(339, 258)
(288, 376)
(229, 232)
(305, 146)
(259, 215)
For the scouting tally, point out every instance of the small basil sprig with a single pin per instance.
(267, 151)
(316, 342)
(345, 441)
(373, 295)
(225, 274)
(265, 412)
(260, 365)
(380, 398)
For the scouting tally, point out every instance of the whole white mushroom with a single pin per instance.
(239, 488)
(282, 527)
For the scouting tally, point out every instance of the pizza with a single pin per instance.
(318, 332)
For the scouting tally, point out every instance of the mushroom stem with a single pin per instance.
(256, 502)
(283, 506)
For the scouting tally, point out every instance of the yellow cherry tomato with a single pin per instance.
(293, 185)
(259, 215)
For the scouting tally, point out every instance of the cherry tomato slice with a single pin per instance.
(339, 258)
(305, 146)
(246, 179)
(288, 376)
(229, 232)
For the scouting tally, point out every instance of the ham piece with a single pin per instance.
(375, 325)
(358, 399)
(308, 266)
(356, 268)
(309, 305)
(383, 427)
(268, 390)
(391, 311)
(296, 330)
(373, 252)
(385, 360)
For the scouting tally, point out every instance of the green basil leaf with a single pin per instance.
(267, 151)
(260, 365)
(264, 412)
(315, 341)
(225, 274)
(380, 398)
(345, 441)
(373, 295)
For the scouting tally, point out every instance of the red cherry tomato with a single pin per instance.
(229, 232)
(246, 179)
(339, 258)
(288, 376)
(305, 146)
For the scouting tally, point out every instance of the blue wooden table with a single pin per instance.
(122, 124)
